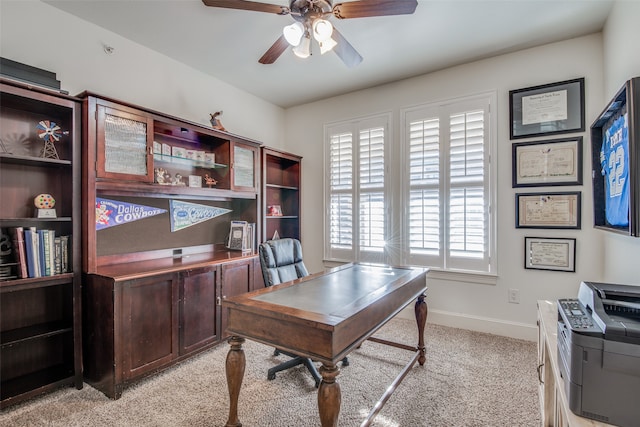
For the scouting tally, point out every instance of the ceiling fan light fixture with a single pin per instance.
(322, 30)
(327, 45)
(303, 49)
(293, 33)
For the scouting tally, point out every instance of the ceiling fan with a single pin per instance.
(310, 21)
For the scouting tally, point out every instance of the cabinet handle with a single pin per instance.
(218, 301)
(540, 366)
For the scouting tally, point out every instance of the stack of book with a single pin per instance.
(39, 252)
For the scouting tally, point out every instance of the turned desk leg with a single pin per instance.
(329, 397)
(235, 371)
(421, 319)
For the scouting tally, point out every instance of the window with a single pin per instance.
(442, 211)
(447, 187)
(355, 219)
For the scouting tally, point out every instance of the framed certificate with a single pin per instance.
(548, 210)
(555, 162)
(547, 109)
(541, 253)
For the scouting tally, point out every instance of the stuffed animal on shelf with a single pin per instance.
(215, 122)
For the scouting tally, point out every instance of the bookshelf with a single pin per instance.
(281, 193)
(40, 314)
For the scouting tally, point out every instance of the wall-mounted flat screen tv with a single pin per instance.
(615, 155)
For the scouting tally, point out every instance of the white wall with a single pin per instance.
(34, 33)
(40, 35)
(471, 305)
(621, 62)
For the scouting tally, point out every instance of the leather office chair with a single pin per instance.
(281, 261)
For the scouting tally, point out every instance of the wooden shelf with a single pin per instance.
(35, 332)
(32, 161)
(35, 383)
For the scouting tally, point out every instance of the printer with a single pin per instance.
(599, 352)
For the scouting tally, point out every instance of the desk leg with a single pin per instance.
(421, 319)
(235, 371)
(329, 396)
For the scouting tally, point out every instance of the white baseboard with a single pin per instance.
(476, 323)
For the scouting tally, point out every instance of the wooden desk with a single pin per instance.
(324, 317)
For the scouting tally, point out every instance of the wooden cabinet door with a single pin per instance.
(149, 324)
(198, 309)
(124, 144)
(236, 278)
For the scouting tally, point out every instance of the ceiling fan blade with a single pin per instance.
(248, 5)
(367, 8)
(345, 51)
(274, 51)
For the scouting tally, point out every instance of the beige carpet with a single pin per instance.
(470, 379)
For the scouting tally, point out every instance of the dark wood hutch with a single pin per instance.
(152, 296)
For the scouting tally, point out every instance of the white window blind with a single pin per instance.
(448, 186)
(356, 175)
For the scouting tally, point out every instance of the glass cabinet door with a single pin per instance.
(245, 160)
(124, 145)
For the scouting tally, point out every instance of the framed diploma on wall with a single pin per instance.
(541, 253)
(543, 163)
(548, 210)
(547, 109)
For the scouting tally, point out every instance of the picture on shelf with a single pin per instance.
(274, 210)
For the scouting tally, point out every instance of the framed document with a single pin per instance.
(555, 162)
(547, 109)
(548, 210)
(541, 253)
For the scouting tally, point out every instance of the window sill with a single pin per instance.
(463, 276)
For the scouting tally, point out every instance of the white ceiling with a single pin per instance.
(227, 43)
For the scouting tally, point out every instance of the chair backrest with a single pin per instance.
(281, 261)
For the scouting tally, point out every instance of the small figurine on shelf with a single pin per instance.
(209, 181)
(215, 122)
(44, 204)
(50, 133)
(177, 180)
(161, 176)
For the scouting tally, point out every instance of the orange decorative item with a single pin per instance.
(44, 201)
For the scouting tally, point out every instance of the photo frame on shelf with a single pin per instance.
(549, 210)
(547, 163)
(274, 210)
(548, 109)
(543, 253)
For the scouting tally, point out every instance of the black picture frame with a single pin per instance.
(552, 162)
(549, 109)
(546, 253)
(625, 102)
(557, 210)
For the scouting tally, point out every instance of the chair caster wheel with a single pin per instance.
(271, 376)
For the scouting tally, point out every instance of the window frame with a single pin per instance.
(355, 126)
(443, 262)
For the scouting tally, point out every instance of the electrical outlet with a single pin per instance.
(514, 296)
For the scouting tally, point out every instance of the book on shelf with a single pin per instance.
(65, 251)
(17, 241)
(242, 236)
(32, 249)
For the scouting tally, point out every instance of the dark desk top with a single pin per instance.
(325, 315)
(333, 293)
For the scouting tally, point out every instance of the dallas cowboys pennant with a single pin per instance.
(110, 213)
